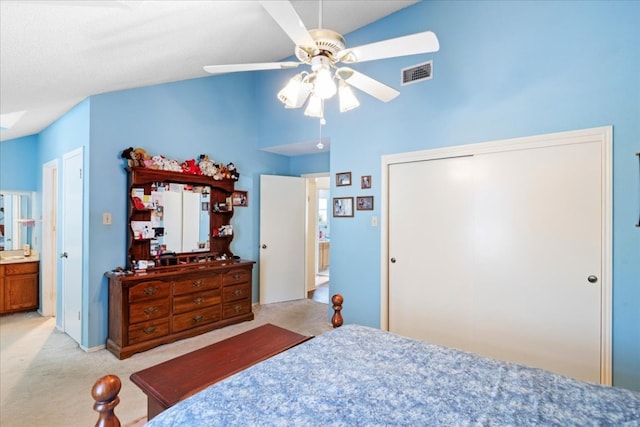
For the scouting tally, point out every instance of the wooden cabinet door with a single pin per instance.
(21, 292)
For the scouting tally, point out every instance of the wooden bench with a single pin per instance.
(169, 382)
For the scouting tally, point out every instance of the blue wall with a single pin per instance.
(505, 69)
(18, 170)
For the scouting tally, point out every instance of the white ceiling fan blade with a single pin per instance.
(289, 20)
(407, 45)
(232, 68)
(368, 85)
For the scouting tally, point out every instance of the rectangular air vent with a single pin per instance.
(417, 73)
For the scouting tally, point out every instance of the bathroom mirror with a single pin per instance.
(16, 219)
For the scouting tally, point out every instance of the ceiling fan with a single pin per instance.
(324, 50)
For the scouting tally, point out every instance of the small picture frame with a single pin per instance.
(342, 207)
(240, 198)
(364, 203)
(343, 179)
(365, 181)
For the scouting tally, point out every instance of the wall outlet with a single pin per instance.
(106, 218)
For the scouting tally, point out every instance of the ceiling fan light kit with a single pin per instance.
(322, 49)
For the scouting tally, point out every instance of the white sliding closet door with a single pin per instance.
(506, 252)
(431, 233)
(537, 240)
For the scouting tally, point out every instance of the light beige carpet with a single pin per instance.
(46, 379)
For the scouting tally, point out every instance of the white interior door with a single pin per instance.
(282, 238)
(49, 258)
(72, 259)
(517, 265)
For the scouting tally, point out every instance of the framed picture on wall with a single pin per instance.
(364, 203)
(365, 181)
(342, 206)
(343, 178)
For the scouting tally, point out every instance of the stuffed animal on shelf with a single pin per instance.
(190, 167)
(140, 154)
(207, 166)
(129, 156)
(233, 172)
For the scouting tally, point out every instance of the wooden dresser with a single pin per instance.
(165, 304)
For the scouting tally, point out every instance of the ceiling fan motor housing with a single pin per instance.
(328, 43)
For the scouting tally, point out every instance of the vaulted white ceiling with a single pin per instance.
(56, 53)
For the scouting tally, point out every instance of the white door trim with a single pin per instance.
(49, 258)
(604, 135)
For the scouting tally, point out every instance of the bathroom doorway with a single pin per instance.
(318, 245)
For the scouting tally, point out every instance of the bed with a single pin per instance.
(361, 376)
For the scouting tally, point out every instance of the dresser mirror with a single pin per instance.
(179, 217)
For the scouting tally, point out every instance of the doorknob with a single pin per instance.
(264, 246)
(64, 255)
(393, 260)
(592, 279)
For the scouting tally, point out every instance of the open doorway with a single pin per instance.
(319, 241)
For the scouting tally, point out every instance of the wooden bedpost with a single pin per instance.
(105, 393)
(336, 319)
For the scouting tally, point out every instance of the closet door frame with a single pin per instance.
(602, 135)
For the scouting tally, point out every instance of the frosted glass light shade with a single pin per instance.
(348, 100)
(295, 92)
(314, 107)
(324, 87)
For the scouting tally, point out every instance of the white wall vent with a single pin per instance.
(417, 73)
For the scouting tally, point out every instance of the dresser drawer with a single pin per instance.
(148, 290)
(148, 310)
(196, 301)
(194, 284)
(236, 308)
(237, 275)
(148, 330)
(196, 318)
(236, 292)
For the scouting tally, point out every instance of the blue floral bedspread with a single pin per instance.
(359, 376)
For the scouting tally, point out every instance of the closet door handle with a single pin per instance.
(592, 279)
(393, 260)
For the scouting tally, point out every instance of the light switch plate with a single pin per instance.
(374, 221)
(106, 218)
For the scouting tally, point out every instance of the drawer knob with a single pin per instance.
(150, 291)
(197, 283)
(237, 292)
(151, 310)
(237, 276)
(198, 319)
(149, 330)
(199, 300)
(237, 308)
